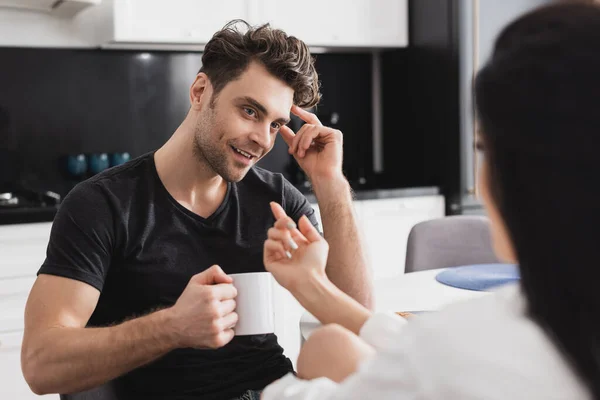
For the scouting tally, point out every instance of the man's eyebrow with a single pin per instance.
(262, 109)
(254, 103)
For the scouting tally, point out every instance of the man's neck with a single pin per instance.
(189, 180)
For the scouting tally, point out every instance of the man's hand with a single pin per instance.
(203, 316)
(316, 148)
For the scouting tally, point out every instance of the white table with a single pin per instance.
(415, 291)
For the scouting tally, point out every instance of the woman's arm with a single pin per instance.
(296, 256)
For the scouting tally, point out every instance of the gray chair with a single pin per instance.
(104, 392)
(449, 242)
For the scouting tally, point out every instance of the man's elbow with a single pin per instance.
(34, 372)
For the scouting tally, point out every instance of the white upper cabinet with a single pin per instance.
(63, 8)
(326, 23)
(173, 21)
(340, 23)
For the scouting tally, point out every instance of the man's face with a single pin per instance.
(240, 126)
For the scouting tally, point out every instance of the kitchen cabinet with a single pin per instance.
(173, 21)
(189, 24)
(339, 23)
(384, 225)
(23, 248)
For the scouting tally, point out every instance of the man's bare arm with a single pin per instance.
(346, 266)
(61, 355)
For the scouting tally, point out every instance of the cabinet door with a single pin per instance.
(23, 248)
(13, 297)
(386, 224)
(13, 384)
(361, 23)
(174, 21)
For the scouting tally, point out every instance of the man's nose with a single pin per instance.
(262, 136)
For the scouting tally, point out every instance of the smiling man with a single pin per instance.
(134, 290)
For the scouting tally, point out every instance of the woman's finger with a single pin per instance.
(284, 236)
(276, 250)
(308, 230)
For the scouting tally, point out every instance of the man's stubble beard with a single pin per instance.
(208, 151)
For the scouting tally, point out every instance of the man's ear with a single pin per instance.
(200, 91)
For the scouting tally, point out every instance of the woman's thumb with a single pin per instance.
(308, 230)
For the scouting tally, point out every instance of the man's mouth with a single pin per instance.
(244, 153)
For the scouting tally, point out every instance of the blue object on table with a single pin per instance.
(479, 277)
(119, 158)
(98, 162)
(77, 165)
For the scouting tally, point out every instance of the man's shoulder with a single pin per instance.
(114, 185)
(125, 176)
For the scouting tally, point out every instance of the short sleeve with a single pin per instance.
(82, 237)
(296, 205)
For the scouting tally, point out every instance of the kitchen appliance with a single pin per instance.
(19, 204)
(27, 198)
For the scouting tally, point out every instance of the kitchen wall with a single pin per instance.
(65, 101)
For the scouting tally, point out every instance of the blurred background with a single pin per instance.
(89, 84)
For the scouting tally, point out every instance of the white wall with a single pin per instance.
(19, 28)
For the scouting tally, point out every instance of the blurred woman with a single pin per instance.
(537, 102)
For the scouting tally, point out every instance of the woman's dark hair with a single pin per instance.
(538, 103)
(230, 51)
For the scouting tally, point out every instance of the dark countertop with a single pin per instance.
(387, 193)
(27, 215)
(46, 214)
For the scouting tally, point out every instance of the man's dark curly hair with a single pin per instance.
(230, 51)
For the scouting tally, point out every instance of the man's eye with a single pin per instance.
(249, 111)
(276, 126)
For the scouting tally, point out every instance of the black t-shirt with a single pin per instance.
(123, 233)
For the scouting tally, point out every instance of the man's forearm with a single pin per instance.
(346, 266)
(66, 359)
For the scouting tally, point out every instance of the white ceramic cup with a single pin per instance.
(254, 303)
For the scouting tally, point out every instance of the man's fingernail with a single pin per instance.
(291, 225)
(293, 244)
(288, 254)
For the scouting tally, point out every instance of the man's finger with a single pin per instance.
(224, 291)
(306, 141)
(299, 135)
(228, 321)
(211, 276)
(278, 211)
(227, 334)
(227, 307)
(287, 134)
(305, 115)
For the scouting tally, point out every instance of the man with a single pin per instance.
(135, 289)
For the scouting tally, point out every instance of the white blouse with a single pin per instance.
(481, 349)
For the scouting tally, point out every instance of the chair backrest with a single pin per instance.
(449, 242)
(104, 392)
